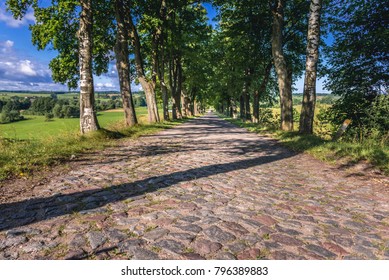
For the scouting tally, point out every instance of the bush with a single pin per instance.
(368, 115)
(49, 117)
(58, 112)
(296, 115)
(10, 116)
(42, 105)
(70, 111)
(328, 99)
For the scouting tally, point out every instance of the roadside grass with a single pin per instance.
(348, 153)
(20, 157)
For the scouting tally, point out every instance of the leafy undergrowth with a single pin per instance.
(19, 158)
(349, 153)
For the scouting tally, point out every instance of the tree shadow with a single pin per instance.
(230, 147)
(33, 210)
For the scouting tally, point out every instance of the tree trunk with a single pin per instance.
(88, 119)
(231, 108)
(179, 89)
(185, 101)
(309, 97)
(176, 86)
(262, 89)
(247, 104)
(284, 75)
(164, 90)
(160, 59)
(146, 85)
(256, 106)
(183, 105)
(165, 98)
(123, 64)
(242, 107)
(195, 108)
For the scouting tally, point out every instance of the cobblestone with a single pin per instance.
(202, 190)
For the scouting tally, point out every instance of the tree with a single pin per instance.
(245, 55)
(122, 61)
(284, 73)
(42, 105)
(358, 58)
(88, 119)
(358, 67)
(289, 21)
(309, 95)
(10, 112)
(67, 26)
(147, 84)
(256, 38)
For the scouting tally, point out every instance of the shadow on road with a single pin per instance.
(30, 211)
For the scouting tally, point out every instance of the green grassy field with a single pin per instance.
(35, 127)
(35, 144)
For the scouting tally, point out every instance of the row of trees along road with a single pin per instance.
(158, 42)
(257, 50)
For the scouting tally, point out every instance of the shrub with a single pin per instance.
(10, 116)
(49, 117)
(369, 116)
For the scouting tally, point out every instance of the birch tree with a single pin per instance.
(70, 27)
(309, 96)
(88, 119)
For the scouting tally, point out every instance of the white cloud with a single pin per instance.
(6, 46)
(15, 69)
(22, 71)
(12, 85)
(9, 20)
(27, 68)
(9, 43)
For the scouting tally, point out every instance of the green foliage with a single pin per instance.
(296, 115)
(49, 116)
(358, 58)
(369, 116)
(42, 105)
(10, 116)
(56, 26)
(328, 99)
(10, 111)
(267, 120)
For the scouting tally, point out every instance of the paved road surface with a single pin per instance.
(203, 190)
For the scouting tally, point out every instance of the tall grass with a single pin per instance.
(374, 152)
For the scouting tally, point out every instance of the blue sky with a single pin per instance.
(23, 67)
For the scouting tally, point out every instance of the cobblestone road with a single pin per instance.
(203, 190)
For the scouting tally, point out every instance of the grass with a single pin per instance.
(35, 127)
(373, 152)
(43, 144)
